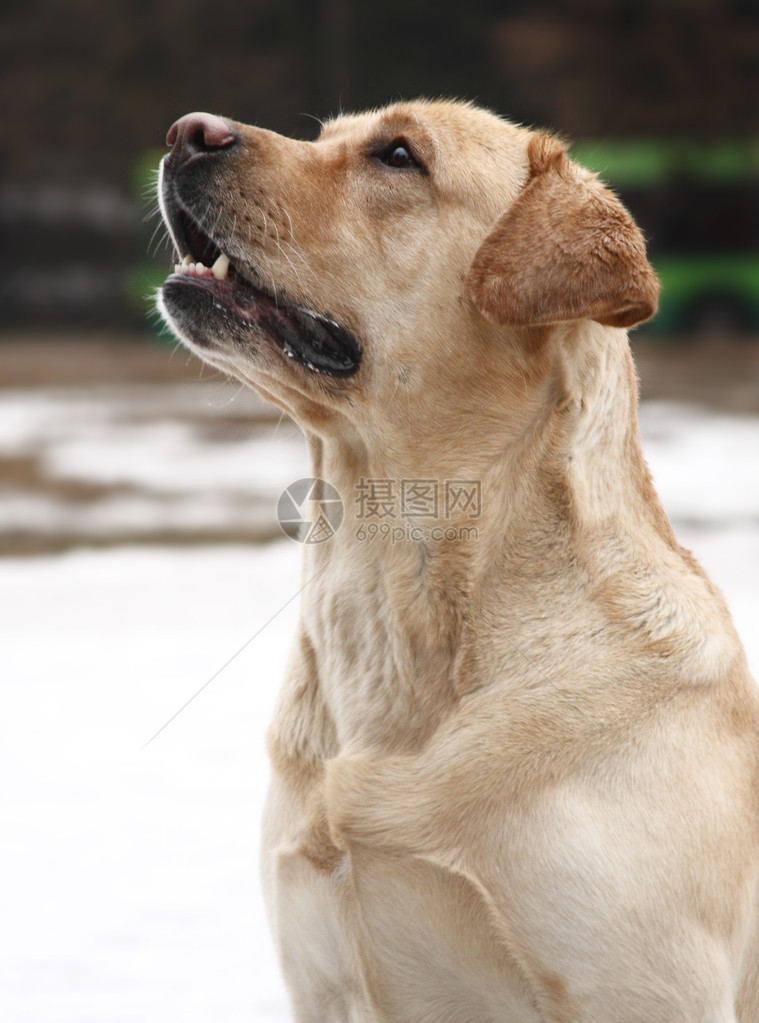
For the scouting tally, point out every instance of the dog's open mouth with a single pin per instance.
(310, 338)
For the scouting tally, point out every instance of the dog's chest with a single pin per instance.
(386, 677)
(377, 939)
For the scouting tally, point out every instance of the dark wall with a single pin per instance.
(89, 86)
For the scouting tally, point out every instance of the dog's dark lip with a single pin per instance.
(313, 339)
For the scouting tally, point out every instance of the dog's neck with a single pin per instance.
(389, 597)
(566, 450)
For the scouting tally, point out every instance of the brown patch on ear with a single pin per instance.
(567, 249)
(545, 152)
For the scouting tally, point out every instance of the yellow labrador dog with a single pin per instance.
(516, 755)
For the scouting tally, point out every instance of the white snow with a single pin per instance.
(181, 457)
(129, 876)
(130, 881)
(705, 464)
(170, 458)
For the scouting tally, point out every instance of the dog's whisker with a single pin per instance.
(152, 211)
(160, 237)
(291, 230)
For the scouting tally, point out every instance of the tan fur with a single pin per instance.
(515, 778)
(564, 250)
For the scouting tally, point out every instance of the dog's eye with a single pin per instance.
(398, 154)
(400, 157)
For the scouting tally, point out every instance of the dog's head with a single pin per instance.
(391, 268)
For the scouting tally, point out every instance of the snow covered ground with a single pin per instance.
(129, 884)
(119, 463)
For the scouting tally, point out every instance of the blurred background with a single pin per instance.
(660, 96)
(140, 556)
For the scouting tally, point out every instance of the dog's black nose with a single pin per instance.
(198, 133)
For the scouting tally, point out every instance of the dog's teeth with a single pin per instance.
(219, 270)
(221, 267)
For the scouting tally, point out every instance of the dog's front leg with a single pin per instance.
(312, 912)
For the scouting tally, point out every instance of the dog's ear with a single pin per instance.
(567, 249)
